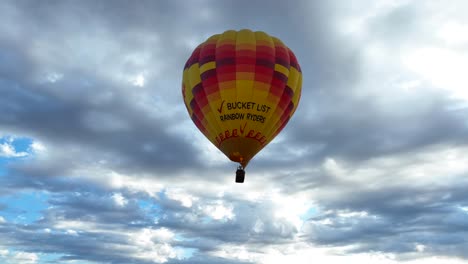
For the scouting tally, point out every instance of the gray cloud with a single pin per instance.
(92, 112)
(369, 132)
(404, 209)
(396, 221)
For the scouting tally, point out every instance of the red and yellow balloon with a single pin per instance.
(240, 89)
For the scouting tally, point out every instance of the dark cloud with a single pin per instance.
(98, 208)
(82, 110)
(84, 246)
(394, 219)
(368, 132)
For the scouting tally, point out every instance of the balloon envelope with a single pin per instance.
(240, 89)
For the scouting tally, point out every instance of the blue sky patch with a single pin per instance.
(20, 144)
(309, 213)
(23, 208)
(21, 148)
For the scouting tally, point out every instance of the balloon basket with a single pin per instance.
(240, 174)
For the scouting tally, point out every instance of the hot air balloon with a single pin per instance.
(240, 89)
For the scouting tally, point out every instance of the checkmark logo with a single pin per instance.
(242, 129)
(220, 109)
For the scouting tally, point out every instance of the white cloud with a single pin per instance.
(347, 214)
(138, 80)
(181, 196)
(23, 258)
(219, 210)
(148, 236)
(303, 254)
(454, 33)
(420, 247)
(236, 252)
(154, 245)
(444, 68)
(430, 49)
(67, 225)
(7, 150)
(259, 226)
(119, 199)
(37, 147)
(54, 77)
(71, 232)
(2, 220)
(291, 207)
(333, 167)
(102, 175)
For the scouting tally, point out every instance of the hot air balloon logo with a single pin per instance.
(240, 89)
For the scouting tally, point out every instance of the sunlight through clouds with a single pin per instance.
(442, 67)
(119, 199)
(454, 33)
(139, 80)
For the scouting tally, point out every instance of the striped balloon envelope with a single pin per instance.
(240, 89)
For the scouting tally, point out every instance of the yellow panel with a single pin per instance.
(207, 66)
(188, 92)
(282, 69)
(245, 37)
(194, 75)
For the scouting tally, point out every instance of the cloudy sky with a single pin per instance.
(100, 162)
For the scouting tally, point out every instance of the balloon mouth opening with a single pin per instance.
(237, 157)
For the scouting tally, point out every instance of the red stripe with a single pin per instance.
(207, 53)
(293, 61)
(193, 58)
(245, 68)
